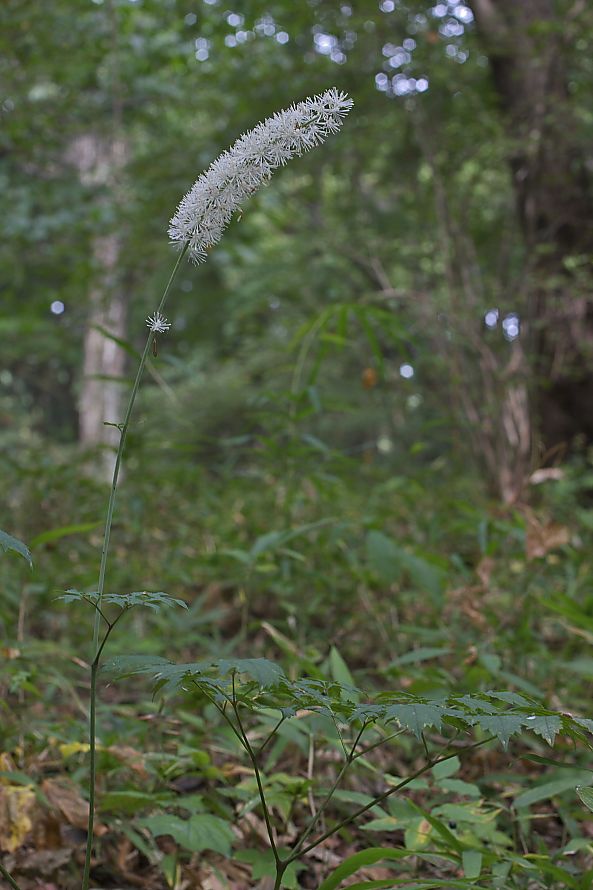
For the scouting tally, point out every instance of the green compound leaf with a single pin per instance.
(257, 684)
(263, 671)
(7, 542)
(154, 601)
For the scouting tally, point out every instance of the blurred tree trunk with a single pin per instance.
(98, 161)
(528, 44)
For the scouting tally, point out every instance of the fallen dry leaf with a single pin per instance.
(541, 537)
(65, 797)
(484, 571)
(130, 757)
(6, 766)
(16, 806)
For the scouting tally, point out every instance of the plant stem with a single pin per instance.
(9, 878)
(98, 648)
(380, 799)
(260, 787)
(120, 449)
(311, 826)
(280, 869)
(92, 775)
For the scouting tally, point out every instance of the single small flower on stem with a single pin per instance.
(211, 202)
(158, 323)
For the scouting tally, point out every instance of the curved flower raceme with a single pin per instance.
(209, 205)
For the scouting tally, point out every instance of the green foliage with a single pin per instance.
(200, 832)
(256, 683)
(154, 601)
(7, 542)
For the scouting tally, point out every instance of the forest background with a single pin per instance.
(363, 449)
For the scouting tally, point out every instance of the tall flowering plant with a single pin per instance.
(197, 225)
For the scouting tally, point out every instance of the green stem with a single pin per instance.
(98, 648)
(280, 869)
(92, 776)
(311, 826)
(380, 799)
(120, 449)
(8, 877)
(260, 787)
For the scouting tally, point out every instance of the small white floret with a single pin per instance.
(158, 323)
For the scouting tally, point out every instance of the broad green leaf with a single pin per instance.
(547, 761)
(340, 672)
(389, 560)
(547, 790)
(383, 556)
(358, 861)
(201, 831)
(586, 795)
(272, 540)
(423, 653)
(458, 786)
(451, 842)
(372, 885)
(16, 777)
(578, 844)
(131, 801)
(471, 861)
(263, 865)
(54, 534)
(384, 823)
(7, 542)
(446, 768)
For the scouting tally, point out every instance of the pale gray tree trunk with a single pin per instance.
(99, 161)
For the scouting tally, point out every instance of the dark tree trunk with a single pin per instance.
(528, 45)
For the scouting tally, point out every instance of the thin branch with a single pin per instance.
(221, 709)
(329, 795)
(95, 605)
(260, 786)
(426, 751)
(380, 798)
(271, 735)
(377, 744)
(9, 878)
(108, 633)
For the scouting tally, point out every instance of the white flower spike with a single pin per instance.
(158, 323)
(209, 205)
